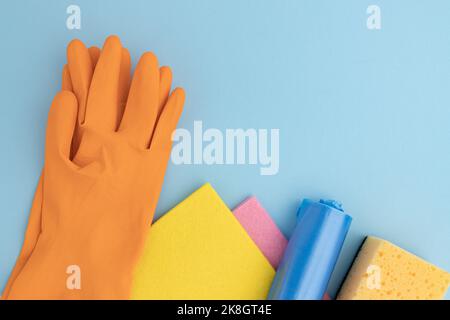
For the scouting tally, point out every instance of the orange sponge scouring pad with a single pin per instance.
(382, 271)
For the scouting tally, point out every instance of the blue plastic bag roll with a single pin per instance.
(312, 251)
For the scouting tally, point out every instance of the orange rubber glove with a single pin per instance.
(82, 70)
(90, 214)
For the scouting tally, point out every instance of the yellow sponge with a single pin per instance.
(383, 271)
(199, 250)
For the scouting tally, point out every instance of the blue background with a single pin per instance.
(363, 115)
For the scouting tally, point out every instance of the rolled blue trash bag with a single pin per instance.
(312, 251)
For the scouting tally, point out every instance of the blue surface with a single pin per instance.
(312, 252)
(363, 114)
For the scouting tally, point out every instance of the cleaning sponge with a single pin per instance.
(261, 228)
(382, 271)
(198, 250)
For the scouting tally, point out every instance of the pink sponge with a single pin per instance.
(261, 228)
